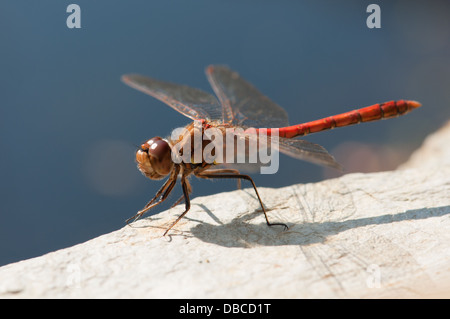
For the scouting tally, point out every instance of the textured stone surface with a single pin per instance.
(361, 235)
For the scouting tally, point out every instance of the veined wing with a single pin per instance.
(299, 149)
(193, 103)
(307, 151)
(242, 103)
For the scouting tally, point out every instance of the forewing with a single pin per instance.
(193, 103)
(242, 103)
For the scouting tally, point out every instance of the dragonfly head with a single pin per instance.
(154, 158)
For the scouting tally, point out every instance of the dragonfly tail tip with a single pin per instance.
(414, 104)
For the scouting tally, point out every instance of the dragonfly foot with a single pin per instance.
(279, 224)
(133, 218)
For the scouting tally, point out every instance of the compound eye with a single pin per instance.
(157, 148)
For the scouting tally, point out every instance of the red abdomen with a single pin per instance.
(365, 114)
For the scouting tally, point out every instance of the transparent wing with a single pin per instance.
(242, 103)
(193, 103)
(307, 151)
(245, 146)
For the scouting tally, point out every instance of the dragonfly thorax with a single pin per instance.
(154, 158)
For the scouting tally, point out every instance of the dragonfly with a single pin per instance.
(238, 105)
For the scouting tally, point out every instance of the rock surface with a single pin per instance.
(381, 235)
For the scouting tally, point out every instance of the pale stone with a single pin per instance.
(381, 235)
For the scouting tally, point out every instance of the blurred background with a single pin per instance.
(69, 127)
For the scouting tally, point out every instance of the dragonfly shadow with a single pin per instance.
(239, 233)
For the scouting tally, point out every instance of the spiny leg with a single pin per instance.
(160, 191)
(178, 201)
(166, 189)
(189, 188)
(147, 207)
(186, 188)
(232, 173)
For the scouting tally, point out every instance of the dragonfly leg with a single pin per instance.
(178, 201)
(164, 190)
(189, 188)
(158, 194)
(232, 173)
(186, 190)
(148, 207)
